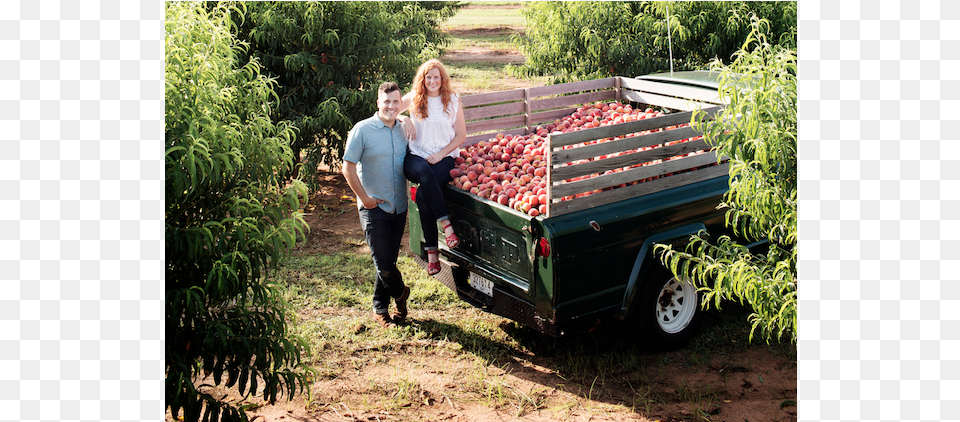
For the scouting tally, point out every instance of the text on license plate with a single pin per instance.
(482, 284)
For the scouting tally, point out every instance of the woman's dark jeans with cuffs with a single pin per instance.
(429, 195)
(383, 232)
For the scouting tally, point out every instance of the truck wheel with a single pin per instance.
(669, 310)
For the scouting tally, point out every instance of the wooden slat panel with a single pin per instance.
(664, 101)
(570, 87)
(600, 166)
(492, 97)
(569, 100)
(619, 194)
(550, 116)
(645, 98)
(493, 111)
(495, 124)
(634, 174)
(624, 144)
(549, 185)
(630, 83)
(705, 95)
(609, 131)
(526, 108)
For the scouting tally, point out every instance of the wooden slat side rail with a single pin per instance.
(496, 110)
(629, 143)
(526, 109)
(683, 105)
(569, 100)
(496, 124)
(492, 98)
(559, 89)
(618, 84)
(673, 90)
(630, 83)
(550, 116)
(639, 189)
(609, 131)
(664, 101)
(600, 166)
(634, 174)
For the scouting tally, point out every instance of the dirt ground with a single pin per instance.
(758, 385)
(482, 55)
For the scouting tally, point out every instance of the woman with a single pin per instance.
(437, 120)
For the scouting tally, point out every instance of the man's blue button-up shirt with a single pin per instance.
(379, 152)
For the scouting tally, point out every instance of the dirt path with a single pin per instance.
(483, 55)
(480, 55)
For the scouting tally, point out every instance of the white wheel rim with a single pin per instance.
(676, 305)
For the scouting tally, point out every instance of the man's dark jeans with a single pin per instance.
(429, 196)
(383, 232)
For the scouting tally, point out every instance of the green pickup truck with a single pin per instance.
(613, 191)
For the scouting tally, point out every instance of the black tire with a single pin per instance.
(668, 311)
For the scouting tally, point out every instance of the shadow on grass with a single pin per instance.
(608, 361)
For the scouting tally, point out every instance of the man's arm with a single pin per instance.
(353, 179)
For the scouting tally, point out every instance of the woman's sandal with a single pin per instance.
(433, 267)
(452, 239)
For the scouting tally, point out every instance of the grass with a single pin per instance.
(704, 399)
(474, 78)
(600, 368)
(471, 17)
(494, 3)
(498, 41)
(339, 287)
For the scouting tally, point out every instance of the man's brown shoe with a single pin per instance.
(402, 306)
(384, 320)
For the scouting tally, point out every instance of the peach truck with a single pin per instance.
(561, 192)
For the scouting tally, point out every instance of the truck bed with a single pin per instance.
(611, 191)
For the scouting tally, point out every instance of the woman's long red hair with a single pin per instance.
(419, 104)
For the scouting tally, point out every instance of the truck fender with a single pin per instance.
(646, 260)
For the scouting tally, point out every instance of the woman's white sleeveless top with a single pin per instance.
(436, 131)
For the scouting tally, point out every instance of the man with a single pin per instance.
(373, 166)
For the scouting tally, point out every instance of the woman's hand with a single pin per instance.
(409, 130)
(435, 158)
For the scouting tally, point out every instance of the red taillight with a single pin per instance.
(543, 247)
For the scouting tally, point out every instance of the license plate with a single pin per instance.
(482, 284)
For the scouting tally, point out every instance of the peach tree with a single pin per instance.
(588, 40)
(757, 130)
(228, 220)
(329, 58)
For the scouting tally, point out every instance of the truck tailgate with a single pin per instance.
(494, 240)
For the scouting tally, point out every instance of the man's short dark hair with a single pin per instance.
(388, 87)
